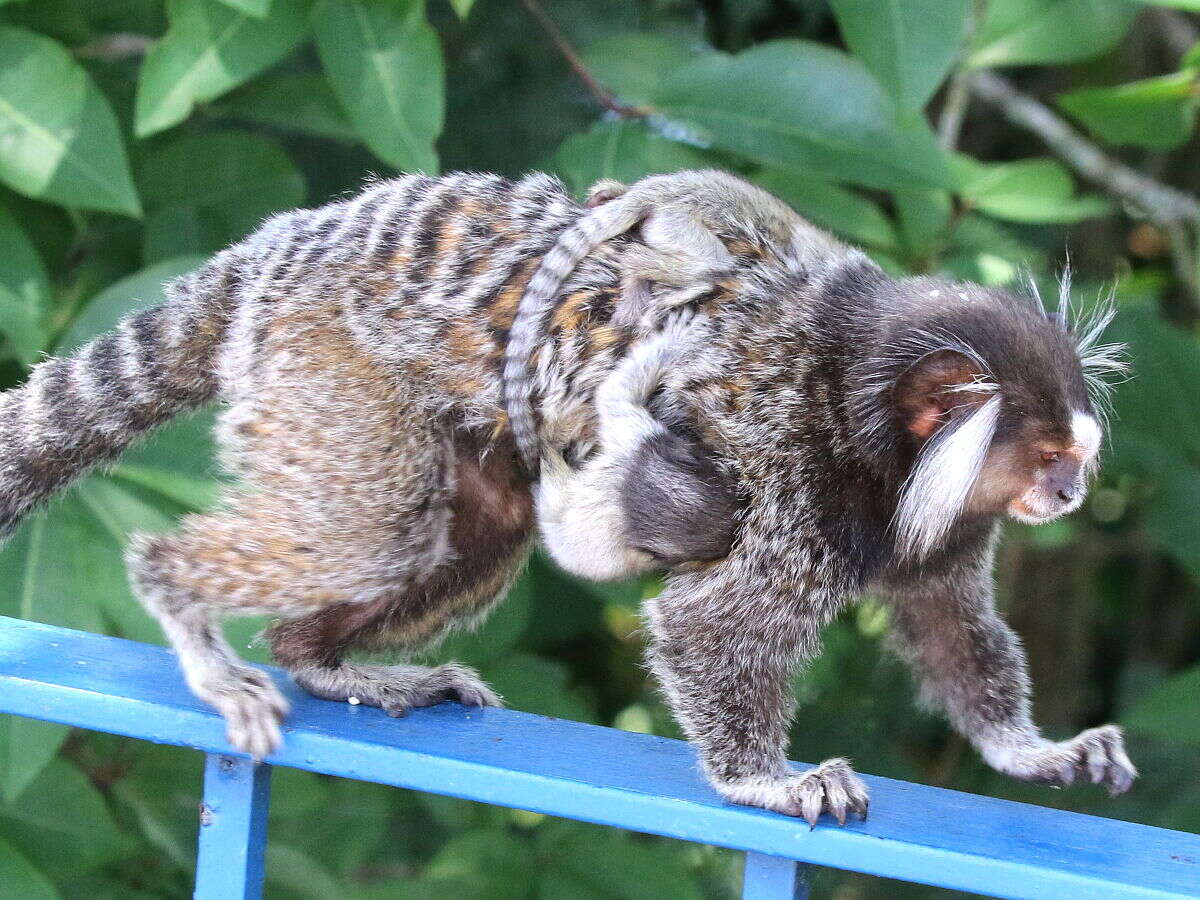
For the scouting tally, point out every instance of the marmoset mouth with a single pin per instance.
(1023, 512)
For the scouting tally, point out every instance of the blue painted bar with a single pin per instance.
(642, 783)
(773, 878)
(233, 829)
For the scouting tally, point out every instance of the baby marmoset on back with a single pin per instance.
(715, 387)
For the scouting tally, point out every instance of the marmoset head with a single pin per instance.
(1000, 405)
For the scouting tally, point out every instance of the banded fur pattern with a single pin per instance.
(577, 242)
(77, 412)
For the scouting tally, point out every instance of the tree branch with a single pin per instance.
(958, 92)
(602, 95)
(1162, 204)
(1179, 32)
(115, 47)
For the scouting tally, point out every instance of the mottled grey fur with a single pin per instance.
(385, 403)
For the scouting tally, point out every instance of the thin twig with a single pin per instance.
(115, 47)
(602, 95)
(1160, 203)
(1183, 257)
(958, 92)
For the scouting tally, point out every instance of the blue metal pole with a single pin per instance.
(233, 829)
(773, 878)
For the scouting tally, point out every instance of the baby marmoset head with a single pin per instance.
(643, 496)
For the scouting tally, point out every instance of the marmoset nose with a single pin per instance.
(1066, 495)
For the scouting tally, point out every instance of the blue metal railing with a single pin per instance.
(642, 783)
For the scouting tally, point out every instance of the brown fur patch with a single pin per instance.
(571, 312)
(492, 520)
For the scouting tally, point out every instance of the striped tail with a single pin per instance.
(594, 228)
(80, 411)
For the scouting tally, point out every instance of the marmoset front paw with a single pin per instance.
(831, 787)
(1097, 754)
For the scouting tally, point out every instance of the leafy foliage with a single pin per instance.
(139, 136)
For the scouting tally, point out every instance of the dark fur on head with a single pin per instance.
(964, 374)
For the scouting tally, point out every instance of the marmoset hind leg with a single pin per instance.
(492, 519)
(347, 500)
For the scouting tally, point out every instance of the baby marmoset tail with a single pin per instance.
(397, 368)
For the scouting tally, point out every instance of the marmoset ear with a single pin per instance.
(938, 387)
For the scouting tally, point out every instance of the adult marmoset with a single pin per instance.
(416, 379)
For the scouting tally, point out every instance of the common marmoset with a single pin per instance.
(416, 378)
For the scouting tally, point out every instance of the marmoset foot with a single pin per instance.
(1097, 755)
(831, 787)
(251, 705)
(397, 689)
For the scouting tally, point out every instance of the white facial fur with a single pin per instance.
(938, 487)
(1086, 431)
(1038, 504)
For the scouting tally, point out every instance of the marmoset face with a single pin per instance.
(1041, 472)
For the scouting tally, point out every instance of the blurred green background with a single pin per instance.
(138, 136)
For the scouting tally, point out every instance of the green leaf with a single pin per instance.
(141, 290)
(290, 868)
(59, 139)
(208, 49)
(537, 685)
(1171, 516)
(1159, 113)
(462, 8)
(26, 747)
(494, 862)
(634, 66)
(20, 878)
(256, 8)
(840, 210)
(498, 634)
(24, 291)
(158, 795)
(1017, 32)
(615, 864)
(1168, 712)
(923, 217)
(1166, 370)
(196, 207)
(301, 102)
(185, 447)
(805, 107)
(384, 62)
(907, 46)
(41, 570)
(622, 150)
(61, 822)
(196, 494)
(1029, 190)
